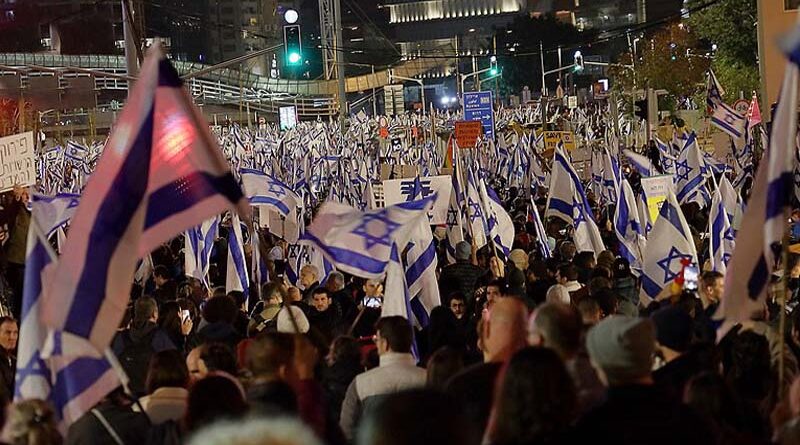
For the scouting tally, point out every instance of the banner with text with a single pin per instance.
(396, 191)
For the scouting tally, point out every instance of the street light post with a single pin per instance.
(409, 79)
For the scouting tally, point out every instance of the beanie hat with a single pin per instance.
(673, 328)
(622, 347)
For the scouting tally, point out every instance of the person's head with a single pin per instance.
(536, 402)
(621, 350)
(169, 317)
(419, 417)
(443, 364)
(494, 290)
(216, 397)
(519, 259)
(556, 326)
(558, 293)
(195, 366)
(373, 288)
(567, 251)
(463, 251)
(674, 328)
(218, 357)
(458, 305)
(710, 396)
(167, 369)
(220, 309)
(504, 331)
(309, 275)
(335, 281)
(590, 311)
(161, 275)
(393, 334)
(145, 310)
(9, 333)
(566, 272)
(273, 292)
(320, 299)
(606, 259)
(344, 349)
(32, 422)
(597, 284)
(621, 269)
(712, 285)
(256, 431)
(607, 300)
(270, 356)
(747, 364)
(585, 260)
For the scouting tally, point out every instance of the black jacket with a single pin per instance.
(461, 277)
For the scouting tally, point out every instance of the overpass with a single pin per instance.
(30, 74)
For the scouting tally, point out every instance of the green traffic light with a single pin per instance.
(493, 71)
(294, 57)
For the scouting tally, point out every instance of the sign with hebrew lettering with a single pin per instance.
(396, 191)
(17, 161)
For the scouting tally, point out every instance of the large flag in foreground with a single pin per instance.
(160, 173)
(764, 221)
(668, 245)
(73, 385)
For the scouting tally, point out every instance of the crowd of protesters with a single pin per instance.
(526, 350)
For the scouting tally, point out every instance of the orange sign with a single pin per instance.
(468, 133)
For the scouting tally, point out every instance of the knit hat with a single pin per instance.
(673, 328)
(463, 250)
(519, 258)
(622, 347)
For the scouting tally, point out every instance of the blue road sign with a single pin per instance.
(478, 107)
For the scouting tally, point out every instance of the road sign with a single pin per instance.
(467, 133)
(552, 138)
(478, 107)
(741, 106)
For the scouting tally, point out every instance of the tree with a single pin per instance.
(518, 49)
(669, 60)
(731, 26)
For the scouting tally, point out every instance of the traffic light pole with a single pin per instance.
(421, 83)
(337, 23)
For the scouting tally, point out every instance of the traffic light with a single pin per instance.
(292, 45)
(578, 62)
(493, 66)
(640, 109)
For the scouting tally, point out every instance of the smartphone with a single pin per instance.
(690, 276)
(184, 315)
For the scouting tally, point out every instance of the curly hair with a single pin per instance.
(32, 422)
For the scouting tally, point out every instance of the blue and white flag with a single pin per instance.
(765, 218)
(541, 234)
(360, 243)
(690, 175)
(728, 120)
(237, 277)
(267, 191)
(720, 234)
(639, 163)
(644, 214)
(500, 226)
(732, 202)
(73, 385)
(475, 212)
(160, 173)
(567, 201)
(259, 270)
(55, 211)
(669, 243)
(628, 227)
(420, 268)
(199, 241)
(611, 178)
(667, 159)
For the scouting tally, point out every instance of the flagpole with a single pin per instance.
(782, 318)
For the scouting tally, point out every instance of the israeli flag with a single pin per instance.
(690, 175)
(611, 178)
(499, 222)
(567, 201)
(764, 220)
(199, 241)
(55, 211)
(360, 243)
(721, 238)
(73, 385)
(732, 202)
(639, 163)
(541, 234)
(454, 221)
(728, 120)
(628, 227)
(266, 190)
(475, 212)
(160, 173)
(397, 298)
(667, 159)
(668, 245)
(237, 277)
(258, 262)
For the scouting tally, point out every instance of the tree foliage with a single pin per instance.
(731, 25)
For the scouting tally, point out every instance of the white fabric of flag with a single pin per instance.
(639, 163)
(628, 227)
(668, 244)
(267, 191)
(199, 241)
(720, 234)
(55, 211)
(690, 175)
(764, 220)
(160, 173)
(360, 243)
(237, 277)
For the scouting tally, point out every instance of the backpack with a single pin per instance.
(135, 359)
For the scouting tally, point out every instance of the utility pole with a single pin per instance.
(337, 23)
(133, 48)
(541, 59)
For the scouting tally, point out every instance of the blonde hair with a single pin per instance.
(32, 422)
(256, 431)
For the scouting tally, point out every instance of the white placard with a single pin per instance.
(17, 161)
(398, 190)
